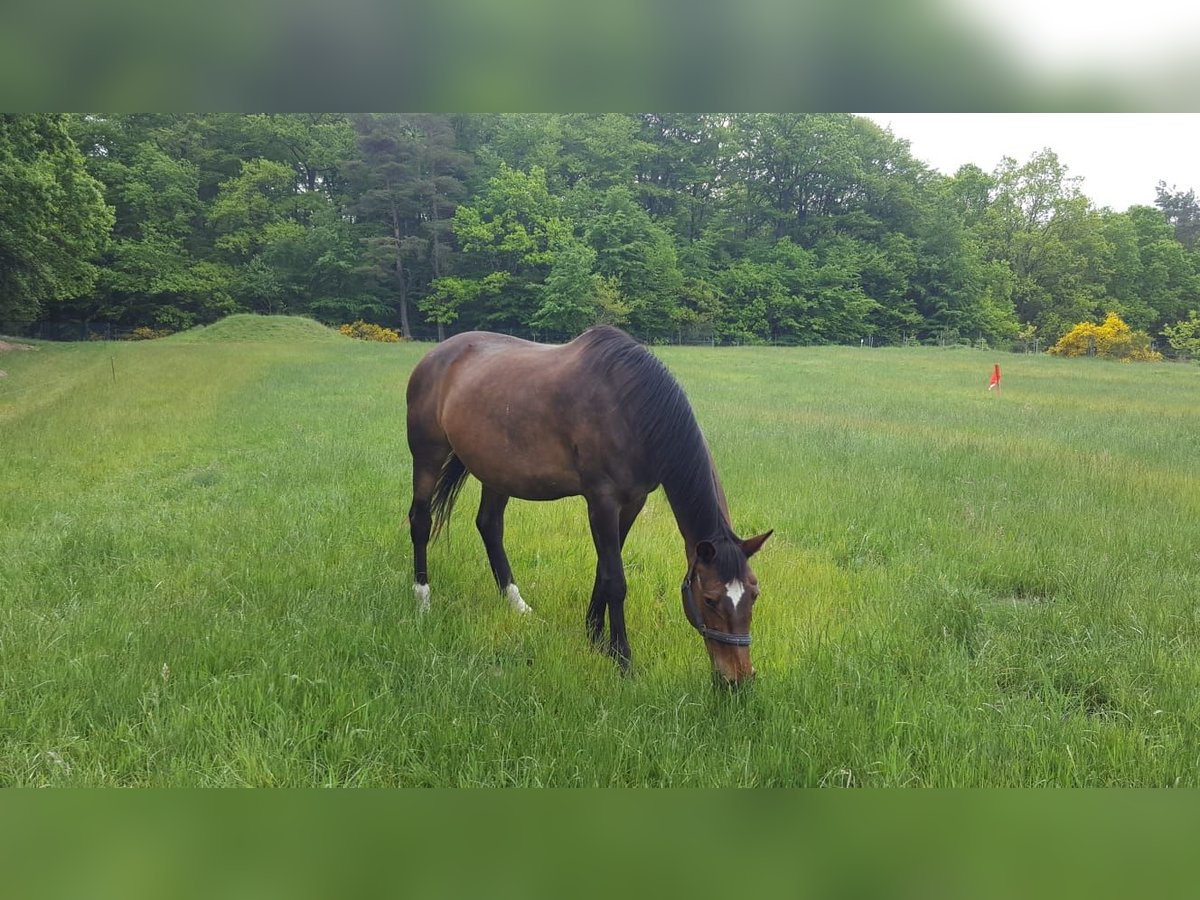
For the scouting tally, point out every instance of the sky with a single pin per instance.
(1108, 35)
(1120, 156)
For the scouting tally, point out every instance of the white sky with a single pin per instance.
(1107, 35)
(1120, 156)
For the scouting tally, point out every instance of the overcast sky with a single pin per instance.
(1108, 35)
(1121, 157)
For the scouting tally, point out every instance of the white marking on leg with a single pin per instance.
(514, 599)
(422, 593)
(735, 589)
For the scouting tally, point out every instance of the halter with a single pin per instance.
(693, 615)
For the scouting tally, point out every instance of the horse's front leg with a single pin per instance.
(629, 512)
(608, 592)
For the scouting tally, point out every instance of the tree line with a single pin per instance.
(803, 228)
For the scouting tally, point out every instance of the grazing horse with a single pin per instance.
(599, 417)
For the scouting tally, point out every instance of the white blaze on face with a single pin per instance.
(422, 593)
(735, 589)
(514, 599)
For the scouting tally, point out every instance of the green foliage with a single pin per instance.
(790, 228)
(566, 301)
(513, 234)
(53, 219)
(405, 182)
(1184, 335)
(638, 257)
(259, 196)
(1182, 212)
(610, 308)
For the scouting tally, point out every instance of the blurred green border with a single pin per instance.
(760, 54)
(356, 55)
(558, 843)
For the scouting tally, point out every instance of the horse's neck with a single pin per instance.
(699, 505)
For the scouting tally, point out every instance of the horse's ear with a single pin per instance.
(750, 546)
(706, 552)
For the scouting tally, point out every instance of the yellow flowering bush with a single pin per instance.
(1112, 339)
(367, 331)
(146, 333)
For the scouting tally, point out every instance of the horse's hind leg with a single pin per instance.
(426, 467)
(490, 523)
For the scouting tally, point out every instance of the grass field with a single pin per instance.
(205, 578)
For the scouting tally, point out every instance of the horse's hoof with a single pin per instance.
(620, 656)
(515, 600)
(421, 591)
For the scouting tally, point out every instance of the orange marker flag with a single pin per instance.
(995, 382)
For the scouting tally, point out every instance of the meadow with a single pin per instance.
(205, 578)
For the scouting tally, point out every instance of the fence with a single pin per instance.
(688, 336)
(70, 331)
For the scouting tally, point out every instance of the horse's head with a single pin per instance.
(718, 598)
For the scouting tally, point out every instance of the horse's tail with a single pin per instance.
(445, 491)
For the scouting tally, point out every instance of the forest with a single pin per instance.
(736, 228)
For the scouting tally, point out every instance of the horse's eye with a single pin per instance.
(710, 602)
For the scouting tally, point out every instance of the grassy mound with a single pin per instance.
(251, 327)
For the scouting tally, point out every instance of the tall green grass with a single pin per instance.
(205, 579)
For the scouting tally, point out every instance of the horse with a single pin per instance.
(600, 417)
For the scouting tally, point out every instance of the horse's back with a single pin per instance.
(515, 412)
(476, 358)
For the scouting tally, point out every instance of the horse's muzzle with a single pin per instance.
(734, 682)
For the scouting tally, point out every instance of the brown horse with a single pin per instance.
(599, 417)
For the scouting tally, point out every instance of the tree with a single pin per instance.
(1149, 277)
(1182, 212)
(1042, 228)
(160, 267)
(960, 282)
(317, 268)
(842, 312)
(53, 219)
(280, 219)
(782, 227)
(567, 299)
(383, 178)
(795, 173)
(448, 295)
(406, 182)
(638, 257)
(260, 195)
(515, 227)
(685, 158)
(1184, 335)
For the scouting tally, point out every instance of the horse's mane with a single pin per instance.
(657, 409)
